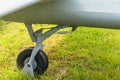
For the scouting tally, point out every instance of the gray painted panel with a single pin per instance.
(96, 13)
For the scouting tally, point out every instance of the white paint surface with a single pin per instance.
(108, 6)
(8, 6)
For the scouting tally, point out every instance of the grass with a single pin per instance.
(1, 24)
(86, 54)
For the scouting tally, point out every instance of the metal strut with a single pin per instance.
(37, 37)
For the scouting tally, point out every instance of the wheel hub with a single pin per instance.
(34, 63)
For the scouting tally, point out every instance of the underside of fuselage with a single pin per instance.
(70, 13)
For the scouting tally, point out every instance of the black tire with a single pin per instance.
(41, 60)
(44, 56)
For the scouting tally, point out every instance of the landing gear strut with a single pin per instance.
(34, 60)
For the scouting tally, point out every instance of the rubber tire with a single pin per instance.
(41, 60)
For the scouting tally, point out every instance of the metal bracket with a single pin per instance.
(37, 37)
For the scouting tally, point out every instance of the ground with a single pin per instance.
(86, 54)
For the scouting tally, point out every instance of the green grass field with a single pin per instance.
(86, 54)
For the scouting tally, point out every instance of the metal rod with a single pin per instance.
(47, 34)
(31, 32)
